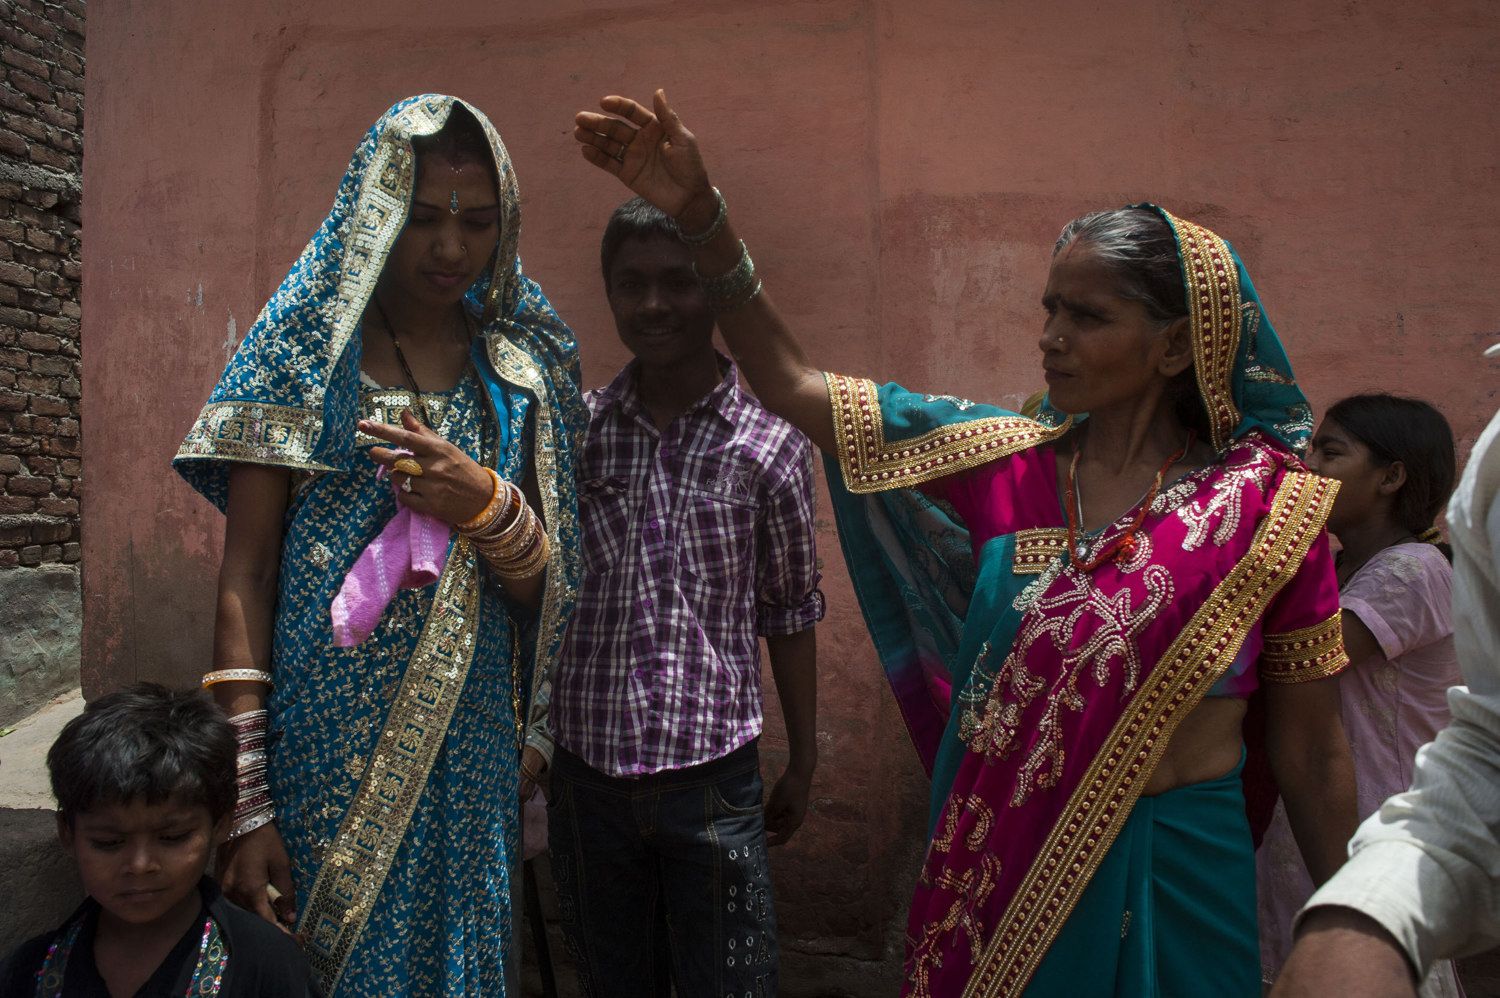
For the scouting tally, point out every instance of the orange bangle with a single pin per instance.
(491, 509)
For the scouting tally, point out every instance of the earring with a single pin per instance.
(453, 203)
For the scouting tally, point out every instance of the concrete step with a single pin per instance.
(36, 877)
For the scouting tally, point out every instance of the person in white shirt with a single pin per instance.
(1423, 879)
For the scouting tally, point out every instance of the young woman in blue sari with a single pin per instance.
(406, 385)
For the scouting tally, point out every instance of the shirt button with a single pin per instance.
(647, 603)
(654, 524)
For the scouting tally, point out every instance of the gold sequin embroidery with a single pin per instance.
(1036, 549)
(1300, 656)
(869, 464)
(1105, 795)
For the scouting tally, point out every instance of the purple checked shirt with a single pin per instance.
(696, 539)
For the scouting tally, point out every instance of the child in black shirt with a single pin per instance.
(145, 781)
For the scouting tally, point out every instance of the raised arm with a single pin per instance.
(657, 158)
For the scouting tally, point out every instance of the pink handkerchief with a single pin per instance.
(408, 554)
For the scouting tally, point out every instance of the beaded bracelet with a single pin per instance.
(714, 227)
(236, 675)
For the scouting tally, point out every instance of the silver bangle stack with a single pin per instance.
(253, 805)
(714, 228)
(733, 290)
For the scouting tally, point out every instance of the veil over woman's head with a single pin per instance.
(1243, 377)
(289, 396)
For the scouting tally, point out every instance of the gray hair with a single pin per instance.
(1140, 248)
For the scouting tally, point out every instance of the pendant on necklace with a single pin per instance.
(1082, 552)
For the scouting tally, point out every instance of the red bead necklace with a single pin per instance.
(1123, 546)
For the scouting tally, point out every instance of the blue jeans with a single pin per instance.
(663, 879)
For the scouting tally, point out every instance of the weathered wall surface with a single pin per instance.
(41, 164)
(899, 171)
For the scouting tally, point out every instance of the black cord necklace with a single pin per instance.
(425, 416)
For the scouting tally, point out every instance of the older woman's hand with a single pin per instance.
(652, 154)
(452, 485)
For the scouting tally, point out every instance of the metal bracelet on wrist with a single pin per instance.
(714, 228)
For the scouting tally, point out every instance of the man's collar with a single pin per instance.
(725, 398)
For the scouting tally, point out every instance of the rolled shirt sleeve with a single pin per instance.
(787, 597)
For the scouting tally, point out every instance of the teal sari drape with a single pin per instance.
(1021, 677)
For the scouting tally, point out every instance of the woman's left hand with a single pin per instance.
(452, 485)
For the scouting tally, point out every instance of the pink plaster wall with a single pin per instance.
(899, 170)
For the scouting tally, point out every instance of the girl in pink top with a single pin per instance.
(1394, 460)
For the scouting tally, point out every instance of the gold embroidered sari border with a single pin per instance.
(1037, 548)
(1213, 292)
(356, 864)
(255, 433)
(869, 464)
(1303, 655)
(520, 368)
(1103, 799)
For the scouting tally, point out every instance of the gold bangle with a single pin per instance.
(236, 675)
(491, 509)
(527, 565)
(508, 548)
(510, 510)
(515, 537)
(505, 530)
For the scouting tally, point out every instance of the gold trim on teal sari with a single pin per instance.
(1041, 696)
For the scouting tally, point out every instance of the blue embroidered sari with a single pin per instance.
(394, 763)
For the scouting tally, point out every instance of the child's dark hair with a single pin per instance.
(145, 741)
(1416, 434)
(635, 219)
(460, 141)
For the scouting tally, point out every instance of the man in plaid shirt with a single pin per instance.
(696, 512)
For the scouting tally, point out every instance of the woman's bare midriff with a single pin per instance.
(1206, 745)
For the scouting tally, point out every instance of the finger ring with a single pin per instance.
(406, 485)
(408, 465)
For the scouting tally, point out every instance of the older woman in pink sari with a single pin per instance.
(1073, 610)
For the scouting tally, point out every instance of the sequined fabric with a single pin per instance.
(394, 764)
(1040, 696)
